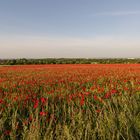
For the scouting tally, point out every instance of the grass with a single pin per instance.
(118, 119)
(76, 110)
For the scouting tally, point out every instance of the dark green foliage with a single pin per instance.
(69, 61)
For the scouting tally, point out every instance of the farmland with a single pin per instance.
(81, 101)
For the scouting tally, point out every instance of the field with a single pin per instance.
(70, 102)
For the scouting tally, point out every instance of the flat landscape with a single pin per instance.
(79, 101)
(69, 69)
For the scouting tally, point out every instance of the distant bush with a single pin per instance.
(25, 61)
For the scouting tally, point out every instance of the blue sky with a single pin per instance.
(69, 28)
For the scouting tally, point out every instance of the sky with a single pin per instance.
(69, 28)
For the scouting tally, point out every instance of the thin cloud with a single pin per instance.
(118, 13)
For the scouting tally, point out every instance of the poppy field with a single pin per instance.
(70, 102)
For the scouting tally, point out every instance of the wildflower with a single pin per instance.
(30, 118)
(87, 93)
(84, 88)
(95, 97)
(82, 101)
(1, 101)
(36, 104)
(113, 91)
(43, 100)
(98, 110)
(107, 95)
(16, 98)
(7, 132)
(125, 88)
(42, 113)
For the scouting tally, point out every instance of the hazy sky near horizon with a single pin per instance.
(69, 28)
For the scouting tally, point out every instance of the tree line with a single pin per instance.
(25, 61)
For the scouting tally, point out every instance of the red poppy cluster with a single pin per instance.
(33, 85)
